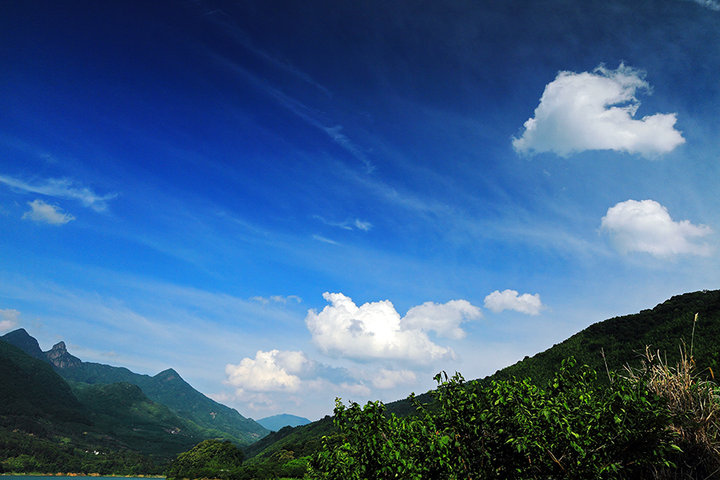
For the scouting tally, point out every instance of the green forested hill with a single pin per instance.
(31, 388)
(623, 340)
(167, 388)
(122, 412)
(45, 428)
(50, 425)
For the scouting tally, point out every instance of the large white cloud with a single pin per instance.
(270, 371)
(498, 301)
(8, 319)
(595, 111)
(42, 212)
(646, 226)
(376, 331)
(442, 318)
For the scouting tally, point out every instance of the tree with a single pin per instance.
(207, 459)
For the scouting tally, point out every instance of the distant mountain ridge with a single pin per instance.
(48, 425)
(276, 422)
(167, 388)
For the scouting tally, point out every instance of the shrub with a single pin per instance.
(694, 406)
(207, 459)
(575, 428)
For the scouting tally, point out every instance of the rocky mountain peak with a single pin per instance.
(60, 357)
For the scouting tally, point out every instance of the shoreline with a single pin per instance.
(71, 474)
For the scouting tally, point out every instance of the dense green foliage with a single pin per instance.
(31, 387)
(122, 412)
(623, 339)
(47, 426)
(22, 452)
(168, 388)
(574, 428)
(208, 459)
(285, 453)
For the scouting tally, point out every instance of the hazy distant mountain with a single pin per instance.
(276, 422)
(166, 388)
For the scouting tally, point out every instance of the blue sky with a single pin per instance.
(292, 201)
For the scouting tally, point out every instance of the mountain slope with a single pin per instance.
(123, 412)
(622, 339)
(21, 339)
(167, 388)
(31, 388)
(45, 428)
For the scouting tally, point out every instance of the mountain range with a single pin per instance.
(77, 407)
(166, 388)
(55, 396)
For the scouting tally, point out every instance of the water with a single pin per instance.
(62, 477)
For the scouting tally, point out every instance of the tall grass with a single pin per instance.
(693, 399)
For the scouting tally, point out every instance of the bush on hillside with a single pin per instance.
(207, 459)
(575, 428)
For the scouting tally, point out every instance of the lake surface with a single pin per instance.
(62, 477)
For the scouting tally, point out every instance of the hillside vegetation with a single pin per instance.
(622, 340)
(111, 425)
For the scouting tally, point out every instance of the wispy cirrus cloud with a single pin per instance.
(595, 111)
(42, 212)
(305, 113)
(229, 25)
(646, 226)
(61, 188)
(322, 239)
(355, 224)
(711, 4)
(281, 299)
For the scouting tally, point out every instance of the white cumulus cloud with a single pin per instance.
(442, 318)
(270, 371)
(498, 301)
(8, 319)
(42, 212)
(375, 330)
(595, 111)
(646, 226)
